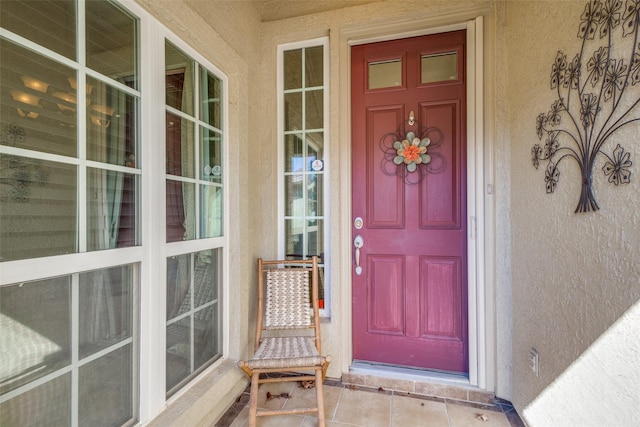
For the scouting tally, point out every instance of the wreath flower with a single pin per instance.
(411, 151)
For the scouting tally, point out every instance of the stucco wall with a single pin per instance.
(575, 277)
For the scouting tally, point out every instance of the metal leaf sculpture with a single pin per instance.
(594, 103)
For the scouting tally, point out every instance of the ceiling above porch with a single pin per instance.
(273, 10)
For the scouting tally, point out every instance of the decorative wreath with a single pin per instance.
(411, 151)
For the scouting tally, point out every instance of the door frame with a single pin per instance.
(480, 171)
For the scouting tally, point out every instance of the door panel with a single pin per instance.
(410, 298)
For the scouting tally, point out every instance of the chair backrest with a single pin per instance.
(288, 296)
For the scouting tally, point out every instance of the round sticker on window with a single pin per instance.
(317, 165)
(207, 170)
(216, 170)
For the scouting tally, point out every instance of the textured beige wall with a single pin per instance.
(574, 276)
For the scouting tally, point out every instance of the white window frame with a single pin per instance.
(324, 42)
(150, 257)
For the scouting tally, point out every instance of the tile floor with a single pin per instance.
(349, 406)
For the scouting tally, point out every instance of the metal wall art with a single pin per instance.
(596, 97)
(412, 155)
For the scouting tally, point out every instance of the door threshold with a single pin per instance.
(410, 374)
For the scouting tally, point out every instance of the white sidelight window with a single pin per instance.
(303, 127)
(112, 213)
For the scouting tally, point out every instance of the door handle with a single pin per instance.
(358, 243)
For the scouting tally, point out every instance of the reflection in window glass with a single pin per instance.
(51, 24)
(38, 208)
(292, 69)
(211, 211)
(211, 155)
(38, 341)
(180, 146)
(111, 209)
(385, 74)
(194, 317)
(39, 110)
(181, 216)
(111, 42)
(211, 105)
(438, 68)
(179, 79)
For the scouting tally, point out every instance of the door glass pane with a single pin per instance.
(385, 74)
(111, 209)
(293, 111)
(315, 237)
(211, 105)
(39, 109)
(105, 309)
(293, 153)
(51, 24)
(314, 195)
(48, 404)
(292, 69)
(179, 79)
(294, 195)
(294, 244)
(315, 151)
(111, 42)
(111, 118)
(314, 110)
(38, 209)
(180, 146)
(211, 211)
(438, 68)
(313, 70)
(35, 320)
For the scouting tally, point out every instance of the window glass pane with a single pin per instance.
(315, 237)
(105, 389)
(385, 74)
(38, 209)
(294, 195)
(315, 151)
(293, 69)
(105, 309)
(48, 404)
(211, 104)
(314, 195)
(51, 24)
(211, 207)
(181, 219)
(211, 155)
(35, 320)
(180, 146)
(438, 68)
(178, 285)
(193, 313)
(293, 153)
(111, 118)
(314, 111)
(313, 70)
(179, 79)
(111, 42)
(178, 351)
(38, 102)
(111, 209)
(294, 229)
(293, 111)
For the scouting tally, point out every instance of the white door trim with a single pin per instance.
(481, 310)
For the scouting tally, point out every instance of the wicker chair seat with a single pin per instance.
(286, 352)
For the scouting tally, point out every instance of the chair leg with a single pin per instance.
(320, 398)
(253, 401)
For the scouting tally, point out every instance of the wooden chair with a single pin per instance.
(287, 333)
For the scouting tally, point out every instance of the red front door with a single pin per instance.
(410, 290)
